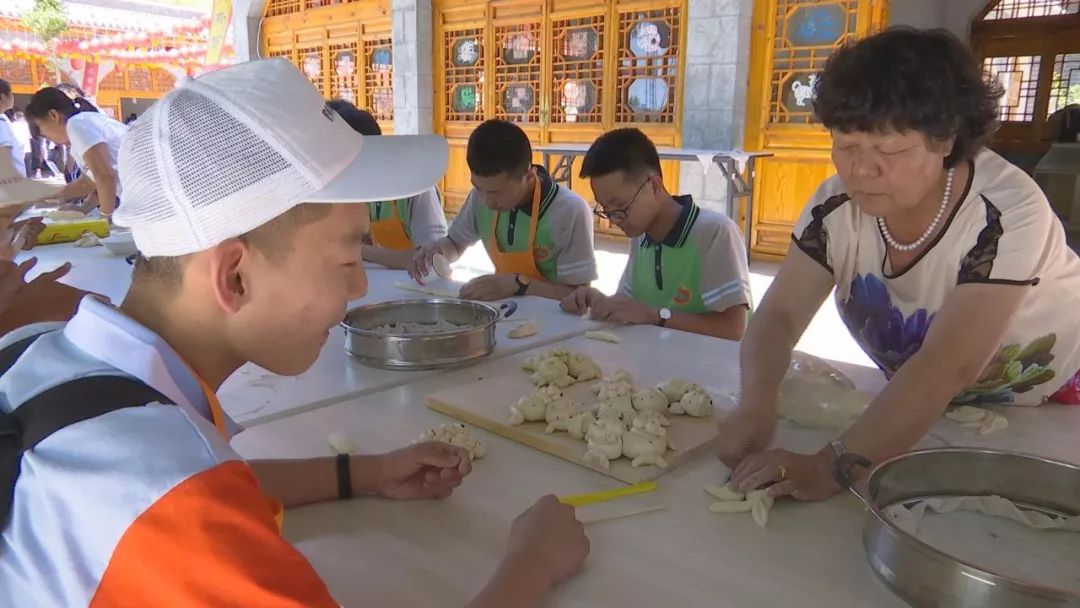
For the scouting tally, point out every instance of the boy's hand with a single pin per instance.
(423, 471)
(621, 309)
(581, 300)
(548, 541)
(490, 288)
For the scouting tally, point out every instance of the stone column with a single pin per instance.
(714, 98)
(413, 80)
(247, 15)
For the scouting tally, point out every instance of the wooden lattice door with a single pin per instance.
(791, 41)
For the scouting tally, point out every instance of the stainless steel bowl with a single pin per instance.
(925, 576)
(422, 351)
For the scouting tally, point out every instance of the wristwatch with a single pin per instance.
(665, 316)
(522, 283)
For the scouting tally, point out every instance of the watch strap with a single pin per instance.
(344, 477)
(522, 285)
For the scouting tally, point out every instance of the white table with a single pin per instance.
(386, 553)
(92, 268)
(253, 395)
(733, 164)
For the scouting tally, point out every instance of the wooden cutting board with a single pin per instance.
(486, 404)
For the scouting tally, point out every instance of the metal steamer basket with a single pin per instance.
(927, 577)
(411, 352)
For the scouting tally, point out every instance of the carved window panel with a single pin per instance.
(139, 79)
(648, 65)
(17, 71)
(344, 66)
(313, 64)
(1025, 9)
(45, 76)
(1019, 76)
(163, 81)
(464, 73)
(114, 80)
(577, 68)
(379, 78)
(807, 33)
(1065, 85)
(517, 72)
(282, 7)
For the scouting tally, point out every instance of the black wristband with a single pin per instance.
(344, 477)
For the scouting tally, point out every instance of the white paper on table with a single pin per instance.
(18, 190)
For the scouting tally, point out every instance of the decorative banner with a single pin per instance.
(90, 79)
(219, 29)
(87, 74)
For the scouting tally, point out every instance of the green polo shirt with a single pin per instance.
(563, 250)
(699, 267)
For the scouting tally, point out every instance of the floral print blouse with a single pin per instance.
(1003, 231)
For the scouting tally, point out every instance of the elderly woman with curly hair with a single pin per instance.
(950, 268)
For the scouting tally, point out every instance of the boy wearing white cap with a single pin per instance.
(117, 483)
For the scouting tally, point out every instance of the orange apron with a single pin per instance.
(390, 233)
(275, 505)
(516, 262)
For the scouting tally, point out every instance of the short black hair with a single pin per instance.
(53, 99)
(498, 147)
(627, 150)
(360, 120)
(907, 79)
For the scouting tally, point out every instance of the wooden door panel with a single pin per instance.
(789, 180)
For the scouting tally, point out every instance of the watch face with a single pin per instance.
(665, 313)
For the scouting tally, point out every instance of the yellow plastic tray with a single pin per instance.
(67, 232)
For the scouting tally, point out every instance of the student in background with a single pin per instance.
(398, 227)
(94, 141)
(687, 268)
(538, 235)
(10, 148)
(21, 127)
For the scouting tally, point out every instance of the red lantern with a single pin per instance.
(77, 63)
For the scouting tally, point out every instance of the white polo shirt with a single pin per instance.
(9, 140)
(88, 129)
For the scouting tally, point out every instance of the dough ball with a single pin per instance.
(524, 330)
(650, 400)
(674, 389)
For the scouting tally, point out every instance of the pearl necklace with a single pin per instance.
(930, 229)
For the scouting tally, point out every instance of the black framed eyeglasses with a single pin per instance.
(619, 215)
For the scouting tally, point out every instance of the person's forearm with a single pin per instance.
(551, 291)
(302, 481)
(106, 189)
(390, 258)
(729, 325)
(513, 584)
(450, 249)
(764, 359)
(906, 409)
(76, 189)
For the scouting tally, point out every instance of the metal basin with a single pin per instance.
(925, 576)
(475, 340)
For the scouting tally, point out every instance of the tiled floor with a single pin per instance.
(826, 337)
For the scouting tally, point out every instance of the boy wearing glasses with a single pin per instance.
(687, 268)
(538, 235)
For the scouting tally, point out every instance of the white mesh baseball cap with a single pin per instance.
(229, 151)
